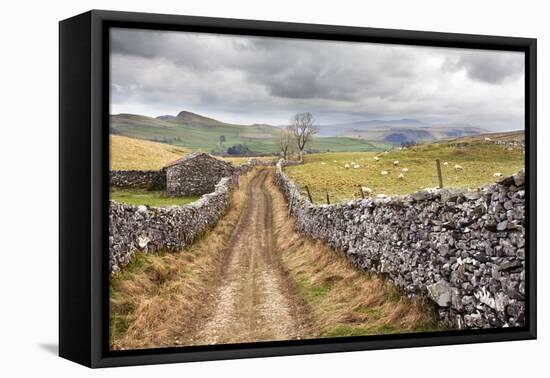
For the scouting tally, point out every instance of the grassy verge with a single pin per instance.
(155, 301)
(343, 300)
(150, 198)
(480, 161)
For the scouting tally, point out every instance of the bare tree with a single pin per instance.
(285, 141)
(303, 128)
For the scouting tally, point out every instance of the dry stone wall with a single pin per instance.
(196, 174)
(251, 163)
(133, 179)
(142, 228)
(463, 249)
(148, 229)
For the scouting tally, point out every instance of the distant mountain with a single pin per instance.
(197, 132)
(190, 118)
(398, 131)
(360, 126)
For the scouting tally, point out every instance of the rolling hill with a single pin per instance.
(396, 132)
(506, 136)
(196, 132)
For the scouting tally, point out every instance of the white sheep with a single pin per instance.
(396, 162)
(458, 167)
(366, 190)
(334, 161)
(376, 158)
(323, 163)
(487, 139)
(445, 163)
(497, 174)
(386, 152)
(346, 166)
(356, 166)
(384, 173)
(405, 170)
(401, 176)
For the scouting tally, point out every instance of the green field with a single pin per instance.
(149, 198)
(325, 172)
(199, 133)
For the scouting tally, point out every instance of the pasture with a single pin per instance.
(136, 154)
(150, 198)
(480, 160)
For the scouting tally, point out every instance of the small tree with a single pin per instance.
(285, 141)
(303, 128)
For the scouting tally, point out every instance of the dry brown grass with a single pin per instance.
(157, 299)
(131, 153)
(344, 300)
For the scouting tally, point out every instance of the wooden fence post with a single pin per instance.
(328, 199)
(439, 176)
(361, 191)
(309, 194)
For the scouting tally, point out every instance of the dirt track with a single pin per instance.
(239, 285)
(254, 300)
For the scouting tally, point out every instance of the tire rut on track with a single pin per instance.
(254, 300)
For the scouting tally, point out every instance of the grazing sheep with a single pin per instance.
(396, 162)
(353, 163)
(386, 152)
(405, 170)
(323, 163)
(376, 158)
(346, 166)
(334, 161)
(458, 167)
(366, 190)
(401, 176)
(356, 166)
(487, 139)
(384, 173)
(497, 174)
(445, 163)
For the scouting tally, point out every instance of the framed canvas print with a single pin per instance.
(234, 188)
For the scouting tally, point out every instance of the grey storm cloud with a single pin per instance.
(491, 68)
(255, 79)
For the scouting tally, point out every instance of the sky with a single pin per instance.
(246, 80)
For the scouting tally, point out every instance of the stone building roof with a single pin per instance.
(190, 156)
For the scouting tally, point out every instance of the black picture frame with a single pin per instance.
(84, 189)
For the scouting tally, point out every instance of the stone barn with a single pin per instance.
(195, 174)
